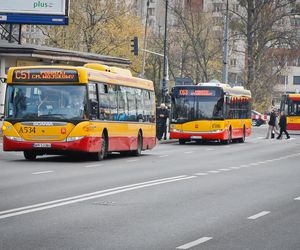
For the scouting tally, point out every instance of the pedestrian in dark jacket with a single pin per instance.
(162, 114)
(282, 125)
(272, 124)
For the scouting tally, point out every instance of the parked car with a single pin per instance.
(258, 119)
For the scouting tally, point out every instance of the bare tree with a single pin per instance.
(201, 46)
(264, 25)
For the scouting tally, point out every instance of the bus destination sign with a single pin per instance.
(196, 92)
(45, 75)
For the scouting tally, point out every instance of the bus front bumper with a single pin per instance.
(213, 135)
(85, 144)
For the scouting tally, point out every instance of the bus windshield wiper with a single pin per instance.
(53, 115)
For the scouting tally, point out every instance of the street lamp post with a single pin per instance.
(165, 76)
(225, 48)
(145, 38)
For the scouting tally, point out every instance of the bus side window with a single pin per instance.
(139, 105)
(122, 104)
(113, 102)
(103, 102)
(93, 101)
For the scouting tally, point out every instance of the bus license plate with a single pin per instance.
(42, 145)
(196, 137)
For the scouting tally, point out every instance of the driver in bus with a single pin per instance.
(76, 104)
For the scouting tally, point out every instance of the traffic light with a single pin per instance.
(135, 46)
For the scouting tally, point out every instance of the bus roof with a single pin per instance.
(233, 91)
(59, 74)
(294, 97)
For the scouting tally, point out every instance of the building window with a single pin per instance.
(151, 11)
(282, 80)
(296, 80)
(233, 62)
(295, 21)
(235, 8)
(217, 7)
(296, 62)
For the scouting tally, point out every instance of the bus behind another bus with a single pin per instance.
(290, 104)
(210, 111)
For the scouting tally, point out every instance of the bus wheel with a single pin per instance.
(242, 140)
(228, 141)
(138, 151)
(29, 155)
(99, 156)
(182, 141)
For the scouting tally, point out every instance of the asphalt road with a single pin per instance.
(210, 196)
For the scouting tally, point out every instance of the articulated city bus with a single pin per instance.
(210, 111)
(94, 109)
(290, 104)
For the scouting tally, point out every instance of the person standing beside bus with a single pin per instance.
(272, 124)
(282, 125)
(162, 114)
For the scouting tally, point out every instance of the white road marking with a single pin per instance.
(213, 171)
(235, 167)
(254, 164)
(209, 149)
(162, 156)
(200, 174)
(297, 199)
(189, 152)
(256, 216)
(43, 172)
(194, 243)
(92, 166)
(89, 196)
(224, 169)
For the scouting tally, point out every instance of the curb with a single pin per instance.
(168, 141)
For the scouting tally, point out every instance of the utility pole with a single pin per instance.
(145, 39)
(225, 47)
(165, 77)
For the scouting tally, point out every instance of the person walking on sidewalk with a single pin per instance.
(272, 124)
(282, 125)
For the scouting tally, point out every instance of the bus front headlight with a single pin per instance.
(74, 138)
(15, 138)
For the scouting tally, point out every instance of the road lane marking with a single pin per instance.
(235, 167)
(89, 196)
(92, 166)
(256, 216)
(224, 169)
(209, 149)
(162, 156)
(200, 174)
(189, 152)
(43, 172)
(194, 243)
(297, 199)
(213, 171)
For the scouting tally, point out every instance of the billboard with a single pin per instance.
(34, 12)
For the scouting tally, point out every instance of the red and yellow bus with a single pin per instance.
(290, 104)
(210, 111)
(94, 109)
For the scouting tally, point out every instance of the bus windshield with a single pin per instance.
(294, 108)
(46, 102)
(191, 108)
